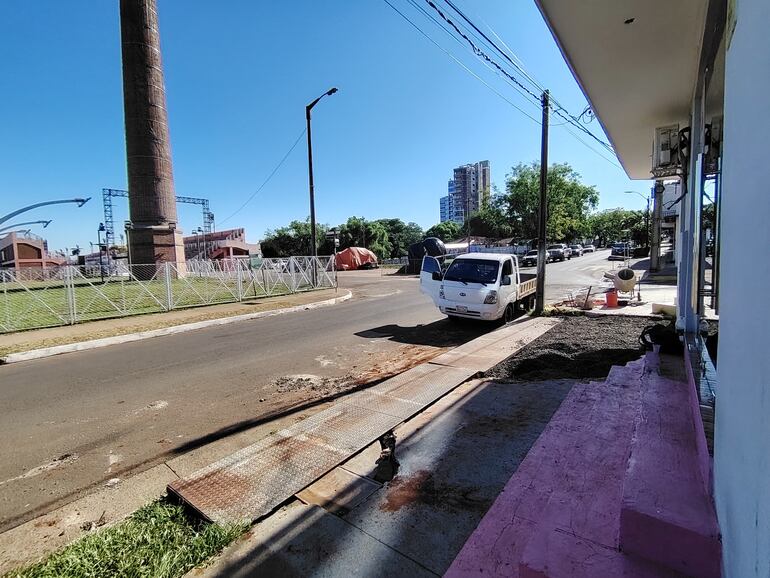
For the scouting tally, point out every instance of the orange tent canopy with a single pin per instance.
(353, 258)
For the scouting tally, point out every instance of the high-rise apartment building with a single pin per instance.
(468, 191)
(445, 208)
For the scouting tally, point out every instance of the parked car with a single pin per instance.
(485, 286)
(559, 252)
(530, 259)
(577, 250)
(588, 248)
(620, 251)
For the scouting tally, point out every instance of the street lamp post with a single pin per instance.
(198, 233)
(79, 202)
(313, 245)
(99, 232)
(44, 223)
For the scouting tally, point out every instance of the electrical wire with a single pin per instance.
(438, 23)
(267, 180)
(480, 53)
(558, 108)
(460, 63)
(518, 66)
(530, 96)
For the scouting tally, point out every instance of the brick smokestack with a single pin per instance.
(154, 237)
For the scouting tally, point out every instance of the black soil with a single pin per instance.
(578, 347)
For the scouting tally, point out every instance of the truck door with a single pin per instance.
(507, 292)
(428, 283)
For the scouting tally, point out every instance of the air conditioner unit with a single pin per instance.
(665, 154)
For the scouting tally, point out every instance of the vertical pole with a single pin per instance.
(101, 264)
(468, 218)
(313, 245)
(543, 218)
(647, 224)
(169, 294)
(657, 212)
(69, 285)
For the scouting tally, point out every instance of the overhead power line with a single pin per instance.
(417, 4)
(518, 66)
(267, 180)
(460, 63)
(559, 109)
(480, 53)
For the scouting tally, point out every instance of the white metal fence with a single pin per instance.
(33, 298)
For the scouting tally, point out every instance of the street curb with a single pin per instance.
(129, 337)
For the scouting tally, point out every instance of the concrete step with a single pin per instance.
(556, 553)
(575, 469)
(667, 515)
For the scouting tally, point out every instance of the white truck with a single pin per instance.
(485, 286)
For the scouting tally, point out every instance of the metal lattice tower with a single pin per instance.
(109, 220)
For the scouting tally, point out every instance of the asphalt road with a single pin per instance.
(76, 420)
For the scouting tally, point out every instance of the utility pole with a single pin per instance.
(657, 209)
(543, 218)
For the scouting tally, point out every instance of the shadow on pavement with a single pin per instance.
(442, 333)
(454, 461)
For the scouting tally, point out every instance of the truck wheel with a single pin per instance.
(510, 313)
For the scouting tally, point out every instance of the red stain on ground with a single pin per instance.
(403, 491)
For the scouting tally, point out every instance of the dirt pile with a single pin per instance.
(578, 348)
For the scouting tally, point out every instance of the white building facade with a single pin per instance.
(703, 67)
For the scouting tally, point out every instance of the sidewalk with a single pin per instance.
(67, 334)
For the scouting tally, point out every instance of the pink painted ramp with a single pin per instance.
(580, 458)
(557, 553)
(577, 506)
(667, 516)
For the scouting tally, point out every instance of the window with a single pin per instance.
(430, 264)
(473, 271)
(508, 268)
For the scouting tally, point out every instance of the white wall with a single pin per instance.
(742, 433)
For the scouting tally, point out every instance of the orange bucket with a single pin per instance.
(612, 298)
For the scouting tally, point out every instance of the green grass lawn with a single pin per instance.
(45, 304)
(161, 540)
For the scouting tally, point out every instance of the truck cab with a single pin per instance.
(484, 286)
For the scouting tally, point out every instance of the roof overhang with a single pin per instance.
(636, 75)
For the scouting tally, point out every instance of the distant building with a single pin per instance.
(445, 208)
(26, 251)
(468, 191)
(219, 245)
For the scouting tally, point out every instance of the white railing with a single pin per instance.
(34, 298)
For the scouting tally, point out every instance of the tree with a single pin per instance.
(491, 221)
(446, 231)
(294, 240)
(569, 202)
(372, 235)
(617, 224)
(401, 235)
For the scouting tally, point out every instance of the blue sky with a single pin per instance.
(238, 76)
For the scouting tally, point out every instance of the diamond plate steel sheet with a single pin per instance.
(428, 388)
(237, 491)
(253, 481)
(384, 403)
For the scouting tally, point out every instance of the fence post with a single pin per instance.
(169, 294)
(69, 290)
(239, 281)
(292, 275)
